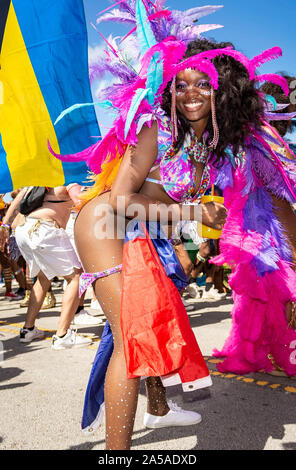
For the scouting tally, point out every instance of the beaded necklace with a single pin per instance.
(196, 151)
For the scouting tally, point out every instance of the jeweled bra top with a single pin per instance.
(177, 171)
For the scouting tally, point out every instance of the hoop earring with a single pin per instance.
(216, 135)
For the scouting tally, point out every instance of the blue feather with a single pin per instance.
(137, 100)
(236, 161)
(271, 100)
(145, 34)
(104, 104)
(155, 74)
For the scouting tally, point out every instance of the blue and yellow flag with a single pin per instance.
(44, 70)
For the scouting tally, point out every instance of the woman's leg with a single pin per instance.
(287, 217)
(36, 299)
(156, 397)
(6, 272)
(18, 273)
(121, 393)
(70, 302)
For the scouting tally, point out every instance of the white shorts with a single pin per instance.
(70, 229)
(70, 232)
(46, 248)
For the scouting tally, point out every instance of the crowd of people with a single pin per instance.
(39, 250)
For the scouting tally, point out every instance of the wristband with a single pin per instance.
(7, 226)
(200, 258)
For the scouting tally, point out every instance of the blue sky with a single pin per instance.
(252, 26)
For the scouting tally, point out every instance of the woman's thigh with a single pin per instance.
(99, 237)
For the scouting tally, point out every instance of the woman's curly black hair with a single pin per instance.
(274, 90)
(238, 104)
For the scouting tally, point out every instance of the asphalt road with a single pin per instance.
(42, 393)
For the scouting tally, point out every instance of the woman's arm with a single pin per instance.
(9, 217)
(13, 208)
(126, 200)
(74, 191)
(287, 217)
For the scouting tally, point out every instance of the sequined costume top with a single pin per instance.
(178, 173)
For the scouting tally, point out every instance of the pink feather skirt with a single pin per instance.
(260, 335)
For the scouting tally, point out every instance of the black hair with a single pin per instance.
(238, 104)
(275, 90)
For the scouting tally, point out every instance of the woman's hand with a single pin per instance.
(214, 215)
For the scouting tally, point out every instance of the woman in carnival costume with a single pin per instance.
(189, 118)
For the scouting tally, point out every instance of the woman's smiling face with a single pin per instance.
(193, 95)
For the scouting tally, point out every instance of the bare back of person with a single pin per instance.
(56, 206)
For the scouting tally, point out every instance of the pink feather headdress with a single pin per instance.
(161, 37)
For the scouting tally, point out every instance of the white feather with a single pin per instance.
(117, 16)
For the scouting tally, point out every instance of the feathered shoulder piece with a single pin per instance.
(270, 162)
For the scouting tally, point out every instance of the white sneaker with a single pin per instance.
(26, 336)
(70, 340)
(193, 291)
(175, 417)
(84, 318)
(212, 294)
(95, 305)
(185, 302)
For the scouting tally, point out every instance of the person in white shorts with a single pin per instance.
(47, 249)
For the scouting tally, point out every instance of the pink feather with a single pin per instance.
(228, 51)
(213, 53)
(103, 37)
(266, 56)
(105, 152)
(234, 54)
(96, 154)
(109, 8)
(149, 1)
(160, 14)
(133, 30)
(84, 155)
(263, 329)
(171, 50)
(276, 79)
(202, 65)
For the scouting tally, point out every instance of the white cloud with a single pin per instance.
(96, 53)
